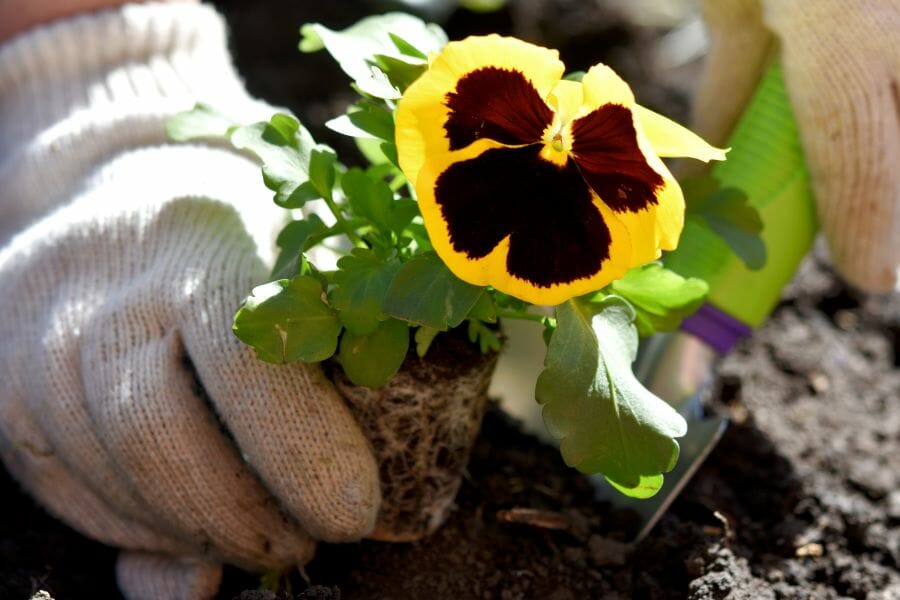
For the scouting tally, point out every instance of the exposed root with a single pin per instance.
(422, 425)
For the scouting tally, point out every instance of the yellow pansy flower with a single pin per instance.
(541, 187)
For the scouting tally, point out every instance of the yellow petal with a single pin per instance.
(659, 226)
(476, 272)
(422, 111)
(601, 85)
(566, 99)
(641, 228)
(669, 213)
(669, 139)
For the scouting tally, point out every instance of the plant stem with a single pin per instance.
(348, 230)
(522, 316)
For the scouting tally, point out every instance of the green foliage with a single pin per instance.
(486, 337)
(606, 421)
(362, 285)
(322, 170)
(374, 358)
(424, 336)
(287, 320)
(296, 238)
(202, 121)
(727, 212)
(378, 53)
(365, 119)
(370, 199)
(284, 148)
(425, 292)
(661, 298)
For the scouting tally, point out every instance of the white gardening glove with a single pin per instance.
(841, 63)
(127, 407)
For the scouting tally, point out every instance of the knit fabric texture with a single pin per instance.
(841, 64)
(127, 406)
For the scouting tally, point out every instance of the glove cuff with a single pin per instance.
(92, 86)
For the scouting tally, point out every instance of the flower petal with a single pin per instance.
(633, 171)
(515, 74)
(603, 86)
(507, 218)
(606, 148)
(669, 139)
(566, 99)
(498, 104)
(658, 227)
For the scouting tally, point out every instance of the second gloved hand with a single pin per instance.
(841, 64)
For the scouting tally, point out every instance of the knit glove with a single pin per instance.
(127, 407)
(841, 63)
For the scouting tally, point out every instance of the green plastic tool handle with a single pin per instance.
(766, 162)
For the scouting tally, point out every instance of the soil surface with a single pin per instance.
(800, 499)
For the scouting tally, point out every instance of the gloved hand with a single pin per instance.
(841, 63)
(127, 407)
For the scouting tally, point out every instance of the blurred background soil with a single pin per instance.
(801, 498)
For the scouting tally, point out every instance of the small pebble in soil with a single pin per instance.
(812, 550)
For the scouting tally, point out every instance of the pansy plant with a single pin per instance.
(494, 185)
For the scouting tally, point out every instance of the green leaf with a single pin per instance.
(728, 213)
(400, 73)
(370, 199)
(486, 338)
(365, 120)
(389, 149)
(354, 48)
(425, 292)
(284, 147)
(606, 420)
(661, 298)
(321, 170)
(384, 171)
(362, 285)
(483, 6)
(402, 213)
(309, 38)
(370, 148)
(286, 321)
(295, 238)
(646, 487)
(574, 76)
(406, 48)
(287, 197)
(286, 125)
(485, 309)
(420, 235)
(202, 121)
(424, 337)
(371, 360)
(549, 329)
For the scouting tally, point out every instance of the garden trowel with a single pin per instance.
(677, 367)
(765, 164)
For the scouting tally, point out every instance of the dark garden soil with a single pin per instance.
(800, 499)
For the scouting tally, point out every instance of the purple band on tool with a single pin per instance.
(716, 328)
